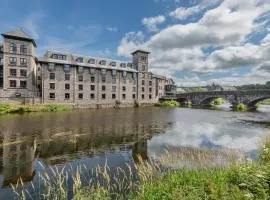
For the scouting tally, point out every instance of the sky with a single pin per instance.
(195, 42)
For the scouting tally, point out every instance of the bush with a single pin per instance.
(241, 107)
(170, 104)
(55, 108)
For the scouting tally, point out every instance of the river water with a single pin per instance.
(32, 142)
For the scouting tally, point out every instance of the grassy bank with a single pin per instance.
(169, 103)
(239, 180)
(10, 108)
(266, 102)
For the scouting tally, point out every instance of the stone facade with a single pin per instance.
(59, 77)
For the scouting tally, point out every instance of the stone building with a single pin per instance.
(60, 77)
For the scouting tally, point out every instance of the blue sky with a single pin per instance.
(196, 42)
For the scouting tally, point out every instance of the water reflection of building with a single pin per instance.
(17, 158)
(60, 145)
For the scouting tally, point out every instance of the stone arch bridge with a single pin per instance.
(248, 97)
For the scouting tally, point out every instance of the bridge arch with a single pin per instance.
(252, 103)
(183, 101)
(209, 99)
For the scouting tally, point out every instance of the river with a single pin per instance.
(32, 142)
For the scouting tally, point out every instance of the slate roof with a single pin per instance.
(19, 34)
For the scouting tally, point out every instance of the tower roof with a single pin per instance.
(141, 51)
(19, 34)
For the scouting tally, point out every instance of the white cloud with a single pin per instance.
(130, 42)
(179, 47)
(152, 22)
(31, 23)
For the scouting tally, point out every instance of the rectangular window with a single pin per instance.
(150, 96)
(23, 84)
(142, 82)
(123, 96)
(52, 76)
(67, 77)
(124, 81)
(92, 79)
(80, 95)
(103, 79)
(142, 96)
(12, 48)
(52, 86)
(113, 96)
(150, 83)
(67, 96)
(23, 49)
(134, 89)
(103, 96)
(66, 68)
(113, 80)
(12, 83)
(92, 95)
(13, 60)
(80, 87)
(103, 87)
(92, 87)
(80, 78)
(150, 89)
(124, 88)
(23, 72)
(67, 86)
(23, 61)
(134, 96)
(13, 72)
(52, 95)
(113, 88)
(142, 89)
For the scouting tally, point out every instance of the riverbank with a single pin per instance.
(11, 108)
(239, 180)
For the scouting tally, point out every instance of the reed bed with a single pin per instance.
(182, 173)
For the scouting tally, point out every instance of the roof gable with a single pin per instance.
(19, 34)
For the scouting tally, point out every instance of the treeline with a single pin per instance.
(254, 86)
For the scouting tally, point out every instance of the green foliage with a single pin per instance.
(218, 101)
(54, 108)
(136, 104)
(169, 103)
(10, 108)
(240, 181)
(241, 107)
(266, 102)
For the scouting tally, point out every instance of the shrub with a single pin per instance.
(170, 104)
(55, 108)
(241, 107)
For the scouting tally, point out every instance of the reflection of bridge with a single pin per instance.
(247, 97)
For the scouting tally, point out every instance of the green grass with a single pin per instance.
(11, 108)
(239, 180)
(266, 102)
(170, 104)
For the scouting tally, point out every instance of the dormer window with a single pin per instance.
(113, 63)
(129, 65)
(123, 65)
(59, 56)
(91, 61)
(102, 62)
(79, 60)
(12, 48)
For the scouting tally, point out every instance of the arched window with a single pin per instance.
(79, 60)
(12, 48)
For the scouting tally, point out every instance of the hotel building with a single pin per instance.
(59, 77)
